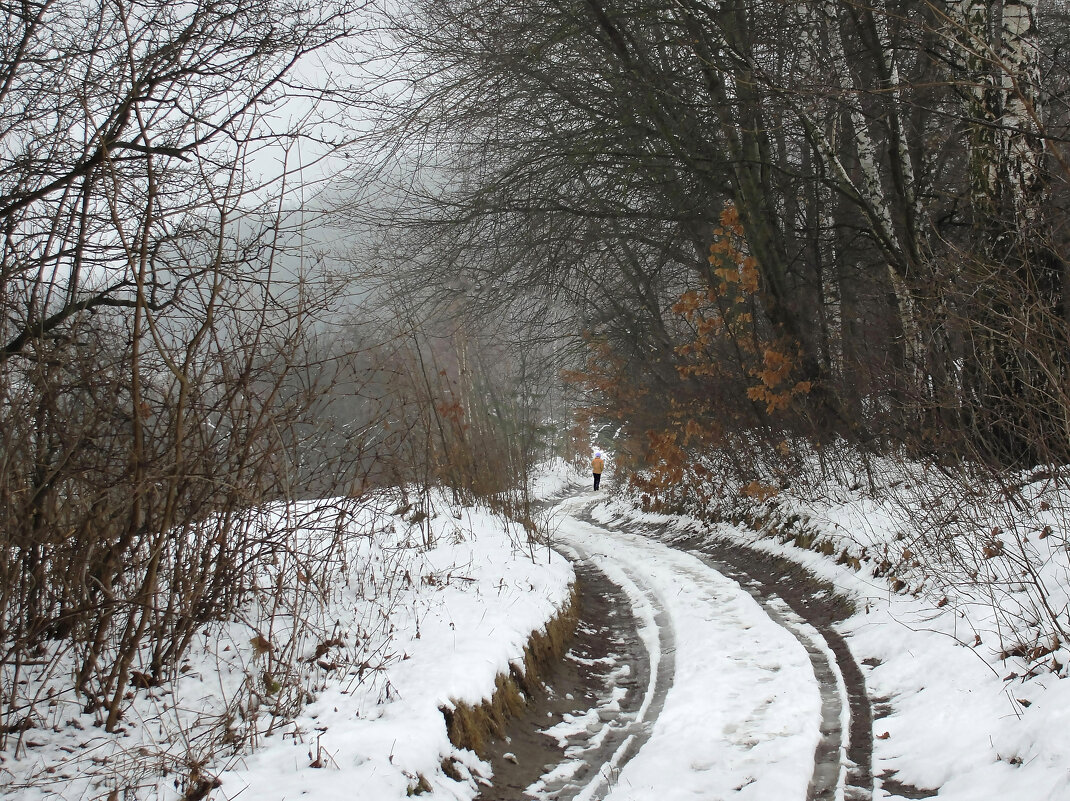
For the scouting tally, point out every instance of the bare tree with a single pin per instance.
(594, 144)
(152, 317)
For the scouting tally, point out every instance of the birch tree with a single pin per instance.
(835, 130)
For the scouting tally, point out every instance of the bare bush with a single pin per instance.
(156, 324)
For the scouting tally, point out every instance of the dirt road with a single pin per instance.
(698, 671)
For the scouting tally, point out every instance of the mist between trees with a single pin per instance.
(743, 227)
(180, 345)
(773, 225)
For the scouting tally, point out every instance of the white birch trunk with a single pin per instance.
(891, 66)
(999, 52)
(1022, 148)
(973, 20)
(871, 190)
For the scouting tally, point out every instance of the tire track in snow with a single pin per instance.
(842, 759)
(631, 732)
(829, 757)
(775, 722)
(593, 761)
(811, 609)
(598, 706)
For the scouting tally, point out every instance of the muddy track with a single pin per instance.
(604, 681)
(769, 578)
(607, 683)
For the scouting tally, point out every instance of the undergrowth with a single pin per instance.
(993, 547)
(331, 580)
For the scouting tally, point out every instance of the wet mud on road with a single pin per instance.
(568, 734)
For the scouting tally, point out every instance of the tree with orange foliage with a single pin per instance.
(729, 340)
(737, 374)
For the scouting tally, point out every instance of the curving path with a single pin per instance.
(689, 679)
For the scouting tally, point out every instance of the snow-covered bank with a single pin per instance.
(955, 712)
(332, 683)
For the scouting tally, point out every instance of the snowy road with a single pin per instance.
(739, 698)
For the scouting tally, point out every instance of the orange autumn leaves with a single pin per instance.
(776, 389)
(735, 369)
(722, 317)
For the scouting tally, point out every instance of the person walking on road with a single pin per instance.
(597, 466)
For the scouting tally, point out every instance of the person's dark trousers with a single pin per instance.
(597, 478)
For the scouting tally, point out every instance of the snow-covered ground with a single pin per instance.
(422, 612)
(954, 712)
(427, 611)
